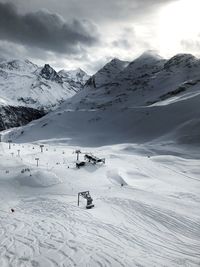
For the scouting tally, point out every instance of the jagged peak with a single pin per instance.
(115, 63)
(48, 67)
(48, 73)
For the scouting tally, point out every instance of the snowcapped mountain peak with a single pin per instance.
(78, 70)
(75, 78)
(150, 54)
(140, 70)
(77, 73)
(115, 63)
(48, 73)
(144, 81)
(107, 74)
(149, 57)
(18, 65)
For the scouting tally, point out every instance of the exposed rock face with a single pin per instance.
(50, 74)
(11, 116)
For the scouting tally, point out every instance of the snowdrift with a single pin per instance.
(38, 178)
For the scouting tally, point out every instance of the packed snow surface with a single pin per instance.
(152, 220)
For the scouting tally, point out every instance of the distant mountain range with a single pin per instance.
(147, 99)
(27, 91)
(24, 83)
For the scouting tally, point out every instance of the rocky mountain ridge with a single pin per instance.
(25, 84)
(27, 91)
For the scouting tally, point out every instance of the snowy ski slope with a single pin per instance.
(153, 220)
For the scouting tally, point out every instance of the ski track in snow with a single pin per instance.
(49, 230)
(76, 240)
(72, 237)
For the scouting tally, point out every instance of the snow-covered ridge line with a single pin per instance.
(149, 99)
(26, 84)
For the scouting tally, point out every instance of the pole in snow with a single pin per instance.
(18, 151)
(41, 147)
(9, 144)
(37, 159)
(77, 153)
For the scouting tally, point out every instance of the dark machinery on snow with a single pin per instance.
(88, 157)
(93, 159)
(86, 195)
(80, 164)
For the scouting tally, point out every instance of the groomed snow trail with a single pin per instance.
(150, 221)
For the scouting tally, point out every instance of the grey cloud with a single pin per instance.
(44, 36)
(121, 43)
(104, 10)
(123, 40)
(46, 30)
(129, 40)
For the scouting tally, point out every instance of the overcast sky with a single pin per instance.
(87, 33)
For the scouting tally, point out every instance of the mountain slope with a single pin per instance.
(106, 74)
(75, 79)
(144, 81)
(15, 116)
(26, 84)
(154, 103)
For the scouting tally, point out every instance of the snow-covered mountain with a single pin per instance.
(152, 98)
(107, 74)
(25, 84)
(26, 90)
(75, 78)
(18, 65)
(146, 80)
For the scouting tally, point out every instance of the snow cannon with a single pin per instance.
(86, 195)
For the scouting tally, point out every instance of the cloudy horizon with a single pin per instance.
(87, 34)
